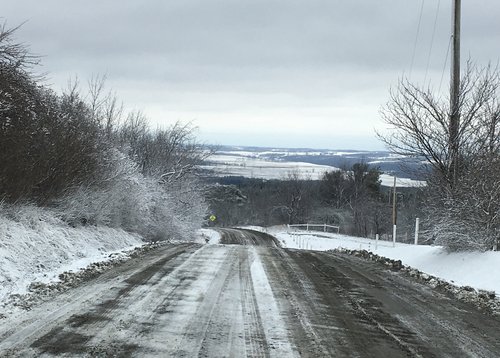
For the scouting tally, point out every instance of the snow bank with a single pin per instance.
(208, 236)
(36, 246)
(475, 269)
(268, 229)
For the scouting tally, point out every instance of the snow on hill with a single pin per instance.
(388, 180)
(254, 167)
(36, 246)
(278, 164)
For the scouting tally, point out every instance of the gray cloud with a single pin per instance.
(193, 59)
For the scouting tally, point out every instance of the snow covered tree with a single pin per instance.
(68, 152)
(166, 154)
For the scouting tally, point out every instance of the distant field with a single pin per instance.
(251, 167)
(269, 163)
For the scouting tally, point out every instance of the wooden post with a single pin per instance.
(394, 203)
(394, 231)
(417, 224)
(394, 219)
(376, 241)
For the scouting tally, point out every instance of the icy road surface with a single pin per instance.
(249, 297)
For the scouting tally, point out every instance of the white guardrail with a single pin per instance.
(314, 227)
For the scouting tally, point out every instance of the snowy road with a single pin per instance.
(249, 297)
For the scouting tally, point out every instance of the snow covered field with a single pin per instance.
(251, 167)
(388, 180)
(255, 165)
(475, 269)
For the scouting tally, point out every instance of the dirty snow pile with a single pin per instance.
(476, 269)
(37, 246)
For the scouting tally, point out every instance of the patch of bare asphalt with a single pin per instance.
(380, 312)
(486, 301)
(325, 323)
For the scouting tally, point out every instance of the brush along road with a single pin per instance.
(249, 297)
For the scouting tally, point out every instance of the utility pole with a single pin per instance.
(455, 92)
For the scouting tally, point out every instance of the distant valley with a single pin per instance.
(278, 163)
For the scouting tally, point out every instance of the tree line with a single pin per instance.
(79, 155)
(351, 198)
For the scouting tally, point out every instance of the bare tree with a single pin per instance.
(15, 55)
(420, 122)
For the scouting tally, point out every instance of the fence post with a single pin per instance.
(417, 224)
(376, 241)
(324, 227)
(394, 231)
(307, 227)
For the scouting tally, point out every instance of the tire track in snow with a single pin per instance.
(255, 339)
(227, 322)
(276, 332)
(41, 321)
(154, 321)
(210, 318)
(72, 336)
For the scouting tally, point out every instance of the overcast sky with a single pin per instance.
(285, 73)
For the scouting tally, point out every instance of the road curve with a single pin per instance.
(250, 297)
(247, 237)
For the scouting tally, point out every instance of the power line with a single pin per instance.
(432, 41)
(416, 37)
(445, 63)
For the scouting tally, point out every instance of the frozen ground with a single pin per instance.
(475, 269)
